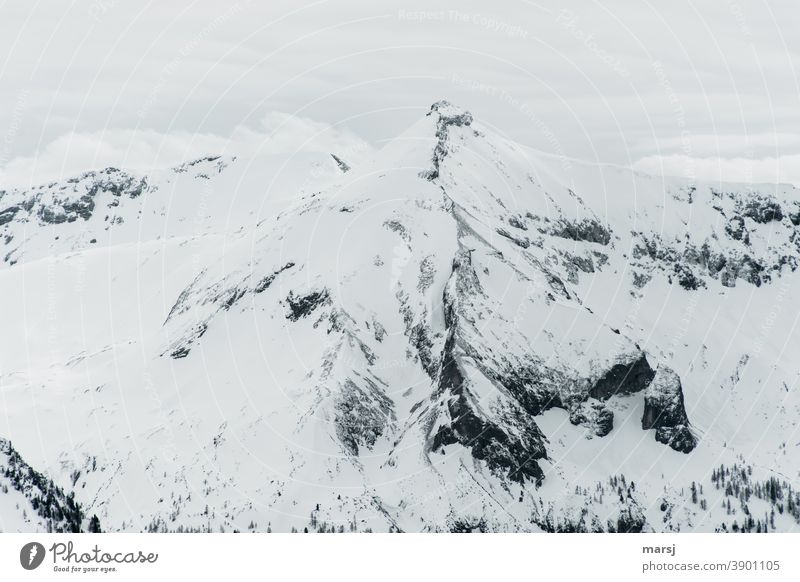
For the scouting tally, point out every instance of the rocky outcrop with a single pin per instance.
(624, 378)
(794, 214)
(183, 347)
(762, 209)
(343, 166)
(8, 214)
(593, 415)
(757, 242)
(511, 448)
(363, 413)
(303, 305)
(586, 230)
(664, 411)
(689, 265)
(736, 229)
(265, 282)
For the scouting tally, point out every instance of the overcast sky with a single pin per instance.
(697, 88)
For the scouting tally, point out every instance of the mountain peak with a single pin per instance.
(450, 114)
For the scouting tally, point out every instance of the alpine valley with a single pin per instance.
(456, 334)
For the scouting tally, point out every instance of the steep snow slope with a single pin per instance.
(461, 334)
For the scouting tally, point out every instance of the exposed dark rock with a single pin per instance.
(419, 335)
(183, 168)
(679, 438)
(761, 209)
(741, 267)
(587, 230)
(398, 227)
(362, 414)
(265, 283)
(520, 242)
(302, 305)
(68, 211)
(593, 415)
(531, 385)
(182, 349)
(630, 519)
(794, 217)
(518, 222)
(654, 249)
(687, 279)
(180, 352)
(379, 330)
(8, 214)
(427, 273)
(514, 453)
(664, 410)
(641, 279)
(663, 401)
(182, 303)
(624, 378)
(343, 166)
(469, 526)
(60, 209)
(736, 229)
(574, 263)
(231, 296)
(116, 182)
(681, 257)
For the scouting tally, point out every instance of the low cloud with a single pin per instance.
(770, 170)
(277, 133)
(724, 145)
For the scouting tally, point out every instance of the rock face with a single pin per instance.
(758, 241)
(664, 411)
(623, 378)
(511, 448)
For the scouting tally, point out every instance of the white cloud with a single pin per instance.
(278, 133)
(723, 144)
(198, 78)
(771, 170)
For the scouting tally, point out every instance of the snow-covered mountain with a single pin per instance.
(460, 334)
